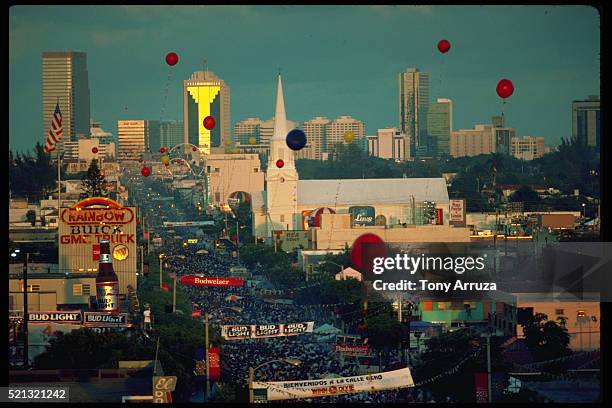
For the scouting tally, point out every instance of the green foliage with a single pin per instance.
(93, 181)
(546, 339)
(32, 176)
(277, 266)
(384, 332)
(527, 196)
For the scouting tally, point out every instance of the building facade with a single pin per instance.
(247, 129)
(205, 94)
(413, 94)
(389, 143)
(336, 129)
(315, 130)
(527, 147)
(439, 127)
(586, 121)
(472, 142)
(170, 133)
(65, 81)
(266, 130)
(133, 138)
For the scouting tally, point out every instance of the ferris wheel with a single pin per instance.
(185, 161)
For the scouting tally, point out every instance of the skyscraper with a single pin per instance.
(440, 126)
(64, 78)
(170, 133)
(413, 92)
(336, 130)
(316, 138)
(204, 94)
(586, 122)
(133, 138)
(246, 129)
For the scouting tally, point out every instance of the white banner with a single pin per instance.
(258, 331)
(282, 390)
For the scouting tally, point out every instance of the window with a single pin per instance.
(33, 288)
(559, 312)
(77, 289)
(86, 289)
(282, 218)
(217, 196)
(255, 170)
(444, 305)
(216, 169)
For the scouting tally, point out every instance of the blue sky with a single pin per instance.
(335, 60)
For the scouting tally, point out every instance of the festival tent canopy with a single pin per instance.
(327, 329)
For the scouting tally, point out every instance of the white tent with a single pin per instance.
(327, 329)
(348, 273)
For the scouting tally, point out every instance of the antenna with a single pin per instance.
(205, 67)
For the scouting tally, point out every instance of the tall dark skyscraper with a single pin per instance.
(586, 122)
(64, 78)
(413, 92)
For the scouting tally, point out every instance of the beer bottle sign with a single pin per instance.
(107, 282)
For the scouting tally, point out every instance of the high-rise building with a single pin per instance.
(498, 121)
(204, 94)
(266, 130)
(133, 138)
(316, 138)
(65, 80)
(170, 133)
(503, 139)
(528, 147)
(96, 132)
(413, 91)
(440, 126)
(247, 129)
(472, 142)
(586, 121)
(389, 143)
(336, 130)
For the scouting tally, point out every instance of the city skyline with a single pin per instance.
(354, 72)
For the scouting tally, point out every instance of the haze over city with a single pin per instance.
(335, 61)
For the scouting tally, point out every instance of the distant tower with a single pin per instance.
(281, 183)
(413, 90)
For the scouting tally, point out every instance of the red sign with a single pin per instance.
(214, 358)
(96, 252)
(439, 216)
(166, 287)
(211, 281)
(349, 349)
(482, 388)
(196, 313)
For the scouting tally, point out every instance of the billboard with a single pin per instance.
(82, 226)
(456, 208)
(258, 331)
(362, 215)
(352, 350)
(290, 240)
(211, 281)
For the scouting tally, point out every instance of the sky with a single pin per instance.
(335, 60)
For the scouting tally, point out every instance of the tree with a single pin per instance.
(31, 176)
(94, 182)
(31, 217)
(546, 339)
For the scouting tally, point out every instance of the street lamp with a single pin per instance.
(291, 361)
(161, 257)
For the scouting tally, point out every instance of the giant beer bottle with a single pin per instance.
(107, 282)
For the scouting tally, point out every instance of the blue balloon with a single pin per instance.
(296, 139)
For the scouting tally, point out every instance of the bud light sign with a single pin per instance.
(362, 216)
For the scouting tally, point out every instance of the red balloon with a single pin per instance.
(209, 122)
(145, 171)
(444, 46)
(163, 150)
(505, 88)
(362, 256)
(172, 58)
(195, 149)
(280, 163)
(139, 160)
(94, 150)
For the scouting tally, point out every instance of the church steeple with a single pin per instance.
(280, 117)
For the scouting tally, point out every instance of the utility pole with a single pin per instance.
(160, 270)
(489, 367)
(25, 311)
(174, 295)
(251, 375)
(207, 356)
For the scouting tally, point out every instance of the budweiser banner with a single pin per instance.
(211, 281)
(352, 350)
(214, 369)
(258, 331)
(282, 390)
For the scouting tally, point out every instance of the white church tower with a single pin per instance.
(281, 182)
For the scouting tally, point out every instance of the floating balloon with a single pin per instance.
(171, 58)
(252, 140)
(280, 163)
(296, 139)
(314, 219)
(145, 171)
(209, 122)
(505, 88)
(94, 150)
(163, 150)
(139, 160)
(195, 149)
(349, 136)
(165, 160)
(444, 46)
(365, 249)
